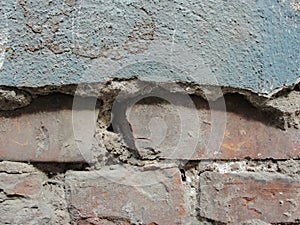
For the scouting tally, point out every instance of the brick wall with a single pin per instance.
(140, 157)
(212, 139)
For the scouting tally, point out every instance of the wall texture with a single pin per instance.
(251, 45)
(149, 112)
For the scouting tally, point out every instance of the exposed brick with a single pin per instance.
(93, 197)
(26, 198)
(236, 197)
(44, 132)
(249, 132)
(16, 168)
(41, 132)
(23, 185)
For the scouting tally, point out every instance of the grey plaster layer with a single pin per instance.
(245, 44)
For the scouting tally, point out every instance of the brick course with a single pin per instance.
(248, 133)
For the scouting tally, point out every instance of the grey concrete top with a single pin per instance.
(245, 44)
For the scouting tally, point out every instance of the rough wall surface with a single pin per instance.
(149, 112)
(246, 44)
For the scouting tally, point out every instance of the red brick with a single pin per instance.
(236, 197)
(249, 132)
(41, 132)
(23, 199)
(27, 197)
(17, 179)
(91, 195)
(26, 185)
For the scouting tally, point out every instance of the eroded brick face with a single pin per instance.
(236, 132)
(91, 195)
(26, 197)
(237, 197)
(25, 185)
(42, 132)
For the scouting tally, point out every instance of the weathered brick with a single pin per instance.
(41, 132)
(27, 198)
(91, 195)
(236, 197)
(249, 132)
(23, 185)
(44, 132)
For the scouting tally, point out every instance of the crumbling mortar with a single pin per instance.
(53, 170)
(12, 98)
(289, 167)
(206, 221)
(258, 100)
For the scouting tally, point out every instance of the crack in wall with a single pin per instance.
(282, 104)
